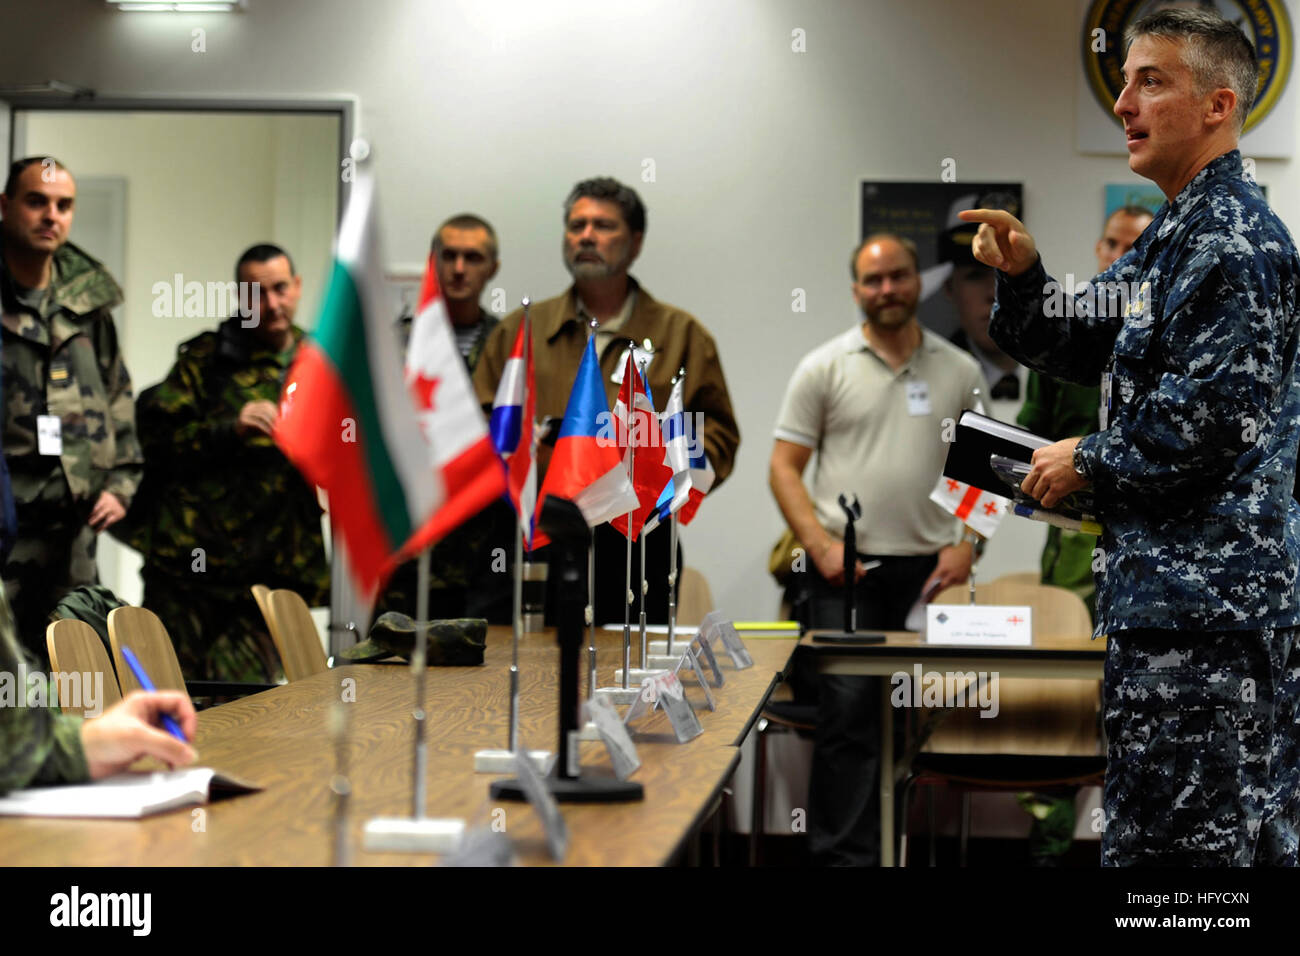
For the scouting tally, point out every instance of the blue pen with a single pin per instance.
(137, 669)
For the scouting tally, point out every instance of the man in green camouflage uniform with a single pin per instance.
(39, 746)
(69, 420)
(221, 508)
(464, 578)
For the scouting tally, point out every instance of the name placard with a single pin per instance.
(622, 752)
(995, 625)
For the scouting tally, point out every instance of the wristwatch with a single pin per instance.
(1080, 463)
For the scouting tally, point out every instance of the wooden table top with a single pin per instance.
(278, 739)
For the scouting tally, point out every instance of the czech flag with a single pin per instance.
(586, 465)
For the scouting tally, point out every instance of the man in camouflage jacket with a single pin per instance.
(39, 746)
(69, 420)
(221, 508)
(1193, 467)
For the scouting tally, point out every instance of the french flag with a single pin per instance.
(662, 511)
(512, 430)
(677, 444)
(586, 465)
(702, 476)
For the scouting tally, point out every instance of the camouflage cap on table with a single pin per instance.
(454, 643)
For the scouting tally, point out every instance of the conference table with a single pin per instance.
(280, 740)
(1049, 657)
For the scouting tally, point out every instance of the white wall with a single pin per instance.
(498, 106)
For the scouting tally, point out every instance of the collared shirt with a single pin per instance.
(607, 332)
(679, 341)
(876, 436)
(1194, 474)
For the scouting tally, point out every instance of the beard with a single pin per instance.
(892, 315)
(597, 270)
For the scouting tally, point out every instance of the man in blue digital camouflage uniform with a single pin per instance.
(1193, 467)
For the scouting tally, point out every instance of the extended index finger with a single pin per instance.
(997, 218)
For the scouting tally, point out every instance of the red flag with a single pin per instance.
(645, 455)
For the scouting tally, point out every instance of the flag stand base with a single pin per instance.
(679, 646)
(404, 835)
(663, 662)
(575, 790)
(503, 761)
(620, 696)
(636, 675)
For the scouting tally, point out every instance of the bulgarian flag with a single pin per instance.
(463, 455)
(347, 420)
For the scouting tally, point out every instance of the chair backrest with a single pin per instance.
(1058, 614)
(694, 599)
(1021, 577)
(76, 648)
(140, 630)
(261, 594)
(1035, 716)
(295, 635)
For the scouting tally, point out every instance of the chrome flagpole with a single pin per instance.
(672, 548)
(519, 565)
(672, 580)
(645, 659)
(591, 616)
(418, 664)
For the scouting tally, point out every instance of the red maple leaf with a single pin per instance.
(423, 388)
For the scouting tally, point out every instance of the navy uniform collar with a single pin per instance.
(1219, 170)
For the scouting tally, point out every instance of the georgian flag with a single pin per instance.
(981, 511)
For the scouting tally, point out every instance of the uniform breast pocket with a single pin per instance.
(1133, 367)
(83, 400)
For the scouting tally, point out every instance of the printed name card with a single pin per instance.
(543, 803)
(716, 628)
(992, 625)
(666, 691)
(691, 662)
(622, 752)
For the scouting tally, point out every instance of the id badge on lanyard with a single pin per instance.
(1104, 406)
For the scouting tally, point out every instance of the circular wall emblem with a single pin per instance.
(1265, 22)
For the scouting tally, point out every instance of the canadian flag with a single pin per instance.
(981, 511)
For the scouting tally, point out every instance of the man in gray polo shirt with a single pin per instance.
(872, 403)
